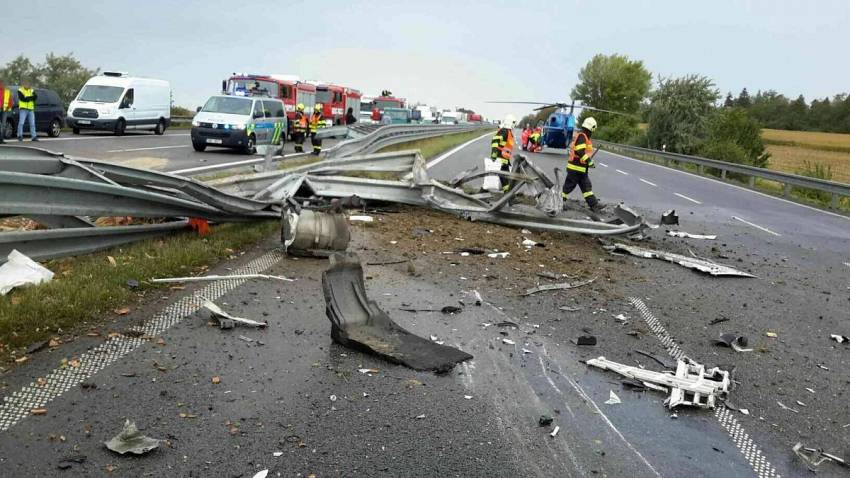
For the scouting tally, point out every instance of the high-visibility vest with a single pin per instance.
(580, 152)
(315, 120)
(300, 121)
(502, 145)
(6, 105)
(26, 105)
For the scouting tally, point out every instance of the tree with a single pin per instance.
(734, 126)
(679, 112)
(63, 74)
(613, 82)
(744, 100)
(730, 100)
(797, 115)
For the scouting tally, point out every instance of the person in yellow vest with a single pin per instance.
(6, 102)
(26, 111)
(300, 128)
(317, 120)
(580, 160)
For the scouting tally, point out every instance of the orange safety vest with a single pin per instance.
(580, 153)
(315, 120)
(300, 121)
(6, 105)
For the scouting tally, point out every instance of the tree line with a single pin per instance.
(774, 110)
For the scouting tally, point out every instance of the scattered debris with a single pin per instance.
(839, 338)
(306, 232)
(528, 243)
(567, 308)
(560, 286)
(261, 474)
(771, 334)
(555, 431)
(357, 322)
(168, 280)
(133, 283)
(474, 251)
(507, 323)
(545, 420)
(688, 235)
(786, 407)
(738, 343)
(368, 370)
(448, 310)
(815, 456)
(670, 218)
(508, 342)
(701, 265)
(131, 441)
(586, 340)
(547, 275)
(277, 454)
(613, 399)
(691, 385)
(216, 380)
(69, 461)
(718, 320)
(478, 299)
(121, 311)
(20, 270)
(38, 411)
(661, 360)
(361, 218)
(621, 318)
(467, 397)
(333, 398)
(498, 255)
(218, 314)
(420, 417)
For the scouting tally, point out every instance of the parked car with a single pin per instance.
(239, 122)
(49, 114)
(117, 102)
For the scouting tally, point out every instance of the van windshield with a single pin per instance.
(100, 93)
(228, 104)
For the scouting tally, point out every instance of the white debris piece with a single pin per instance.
(613, 399)
(498, 255)
(333, 398)
(367, 370)
(168, 280)
(526, 351)
(467, 397)
(528, 243)
(361, 218)
(21, 270)
(786, 407)
(508, 341)
(277, 453)
(262, 474)
(838, 338)
(709, 237)
(555, 431)
(216, 311)
(621, 318)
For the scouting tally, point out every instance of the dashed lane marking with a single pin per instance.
(603, 165)
(687, 198)
(622, 172)
(148, 149)
(450, 152)
(19, 404)
(132, 136)
(648, 182)
(752, 453)
(757, 226)
(244, 162)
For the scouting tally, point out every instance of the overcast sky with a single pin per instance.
(444, 53)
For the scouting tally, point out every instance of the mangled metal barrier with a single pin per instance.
(392, 134)
(701, 265)
(358, 323)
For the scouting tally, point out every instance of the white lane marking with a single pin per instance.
(648, 182)
(730, 185)
(756, 226)
(751, 451)
(603, 165)
(18, 405)
(139, 136)
(148, 149)
(622, 172)
(689, 199)
(445, 155)
(847, 264)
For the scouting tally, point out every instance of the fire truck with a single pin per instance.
(386, 100)
(336, 101)
(288, 88)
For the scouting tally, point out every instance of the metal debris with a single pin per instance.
(701, 265)
(508, 342)
(218, 314)
(786, 407)
(586, 340)
(737, 343)
(815, 456)
(168, 280)
(669, 217)
(310, 233)
(21, 270)
(560, 286)
(839, 338)
(131, 441)
(691, 385)
(555, 431)
(688, 235)
(613, 399)
(661, 360)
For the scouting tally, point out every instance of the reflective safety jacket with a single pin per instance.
(502, 145)
(26, 99)
(5, 99)
(534, 137)
(580, 152)
(301, 120)
(317, 120)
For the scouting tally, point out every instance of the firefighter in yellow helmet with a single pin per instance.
(502, 145)
(317, 120)
(299, 128)
(580, 160)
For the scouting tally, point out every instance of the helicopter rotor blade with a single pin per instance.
(587, 107)
(523, 102)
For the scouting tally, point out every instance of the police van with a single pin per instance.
(239, 122)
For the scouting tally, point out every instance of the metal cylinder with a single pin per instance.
(314, 233)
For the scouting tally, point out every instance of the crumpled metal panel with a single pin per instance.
(701, 265)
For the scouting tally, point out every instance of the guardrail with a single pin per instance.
(789, 181)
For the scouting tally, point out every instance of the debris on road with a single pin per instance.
(217, 314)
(498, 255)
(168, 280)
(69, 461)
(661, 360)
(368, 370)
(718, 320)
(613, 399)
(545, 420)
(361, 218)
(130, 440)
(448, 310)
(786, 407)
(20, 270)
(560, 286)
(310, 233)
(508, 342)
(586, 340)
(261, 474)
(701, 265)
(670, 218)
(621, 318)
(555, 431)
(358, 323)
(683, 234)
(772, 335)
(839, 338)
(815, 456)
(528, 243)
(567, 308)
(507, 323)
(691, 385)
(738, 343)
(478, 299)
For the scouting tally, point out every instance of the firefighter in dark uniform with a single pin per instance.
(317, 120)
(502, 145)
(580, 160)
(300, 128)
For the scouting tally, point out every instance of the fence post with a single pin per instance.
(786, 191)
(752, 181)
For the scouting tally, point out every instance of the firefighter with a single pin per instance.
(502, 145)
(300, 128)
(526, 132)
(317, 120)
(534, 140)
(581, 152)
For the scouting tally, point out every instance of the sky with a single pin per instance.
(444, 53)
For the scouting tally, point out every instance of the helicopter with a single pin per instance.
(559, 126)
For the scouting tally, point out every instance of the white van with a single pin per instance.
(239, 122)
(117, 102)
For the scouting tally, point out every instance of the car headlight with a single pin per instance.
(196, 122)
(239, 126)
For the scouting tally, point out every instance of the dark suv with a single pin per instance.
(49, 114)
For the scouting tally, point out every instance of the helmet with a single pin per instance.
(299, 107)
(509, 121)
(589, 124)
(318, 107)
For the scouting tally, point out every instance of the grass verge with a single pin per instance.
(431, 147)
(88, 288)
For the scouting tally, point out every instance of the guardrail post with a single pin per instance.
(833, 204)
(786, 191)
(701, 169)
(722, 174)
(752, 181)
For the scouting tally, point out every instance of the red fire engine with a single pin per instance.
(336, 101)
(288, 89)
(386, 100)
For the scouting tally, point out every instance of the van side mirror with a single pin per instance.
(198, 109)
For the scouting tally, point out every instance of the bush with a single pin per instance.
(817, 171)
(619, 130)
(736, 126)
(726, 151)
